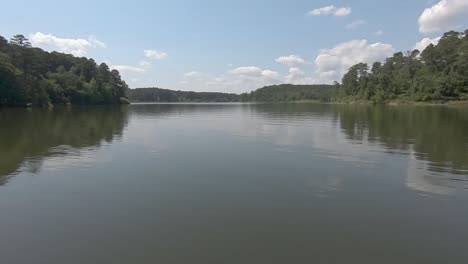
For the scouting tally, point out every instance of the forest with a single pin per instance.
(33, 77)
(290, 93)
(438, 73)
(165, 95)
(274, 93)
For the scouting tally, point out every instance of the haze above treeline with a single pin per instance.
(31, 76)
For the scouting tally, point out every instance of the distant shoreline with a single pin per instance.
(364, 103)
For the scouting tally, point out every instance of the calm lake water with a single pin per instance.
(233, 183)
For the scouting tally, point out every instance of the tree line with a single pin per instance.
(32, 76)
(291, 93)
(438, 73)
(165, 95)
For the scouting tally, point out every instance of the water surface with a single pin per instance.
(234, 183)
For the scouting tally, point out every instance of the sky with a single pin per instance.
(232, 46)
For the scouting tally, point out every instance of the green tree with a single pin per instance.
(32, 76)
(439, 72)
(20, 40)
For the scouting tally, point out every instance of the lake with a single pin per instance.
(234, 183)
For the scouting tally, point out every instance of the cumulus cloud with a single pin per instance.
(331, 10)
(290, 60)
(237, 80)
(127, 68)
(245, 79)
(270, 74)
(333, 63)
(329, 66)
(421, 45)
(355, 24)
(295, 74)
(256, 77)
(77, 46)
(155, 54)
(247, 71)
(252, 71)
(442, 16)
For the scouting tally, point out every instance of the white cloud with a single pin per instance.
(155, 54)
(126, 68)
(252, 71)
(270, 74)
(331, 10)
(248, 78)
(332, 63)
(421, 45)
(216, 81)
(238, 80)
(145, 64)
(328, 76)
(96, 43)
(296, 71)
(295, 74)
(442, 16)
(290, 60)
(298, 76)
(247, 71)
(355, 24)
(343, 11)
(77, 47)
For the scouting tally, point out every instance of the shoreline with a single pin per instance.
(461, 103)
(408, 103)
(385, 103)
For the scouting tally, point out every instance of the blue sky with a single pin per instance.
(232, 46)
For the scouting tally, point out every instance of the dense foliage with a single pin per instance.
(32, 76)
(440, 72)
(290, 92)
(165, 95)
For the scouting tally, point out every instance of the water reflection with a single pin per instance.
(436, 134)
(427, 144)
(28, 137)
(176, 183)
(435, 139)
